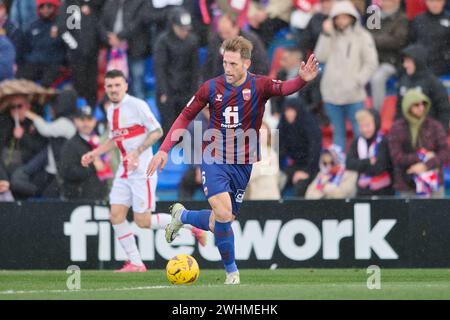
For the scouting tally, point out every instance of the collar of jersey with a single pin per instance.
(121, 102)
(231, 87)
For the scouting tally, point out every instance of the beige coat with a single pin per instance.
(263, 183)
(350, 57)
(346, 189)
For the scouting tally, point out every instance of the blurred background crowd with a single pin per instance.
(374, 124)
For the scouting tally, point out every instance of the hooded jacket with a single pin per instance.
(363, 166)
(426, 82)
(350, 59)
(433, 32)
(342, 184)
(430, 136)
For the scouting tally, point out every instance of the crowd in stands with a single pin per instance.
(383, 91)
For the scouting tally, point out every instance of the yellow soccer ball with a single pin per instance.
(182, 269)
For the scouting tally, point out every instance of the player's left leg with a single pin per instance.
(223, 234)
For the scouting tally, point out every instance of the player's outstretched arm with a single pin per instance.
(309, 71)
(89, 157)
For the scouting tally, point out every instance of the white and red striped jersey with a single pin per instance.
(130, 121)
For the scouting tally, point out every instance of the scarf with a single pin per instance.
(106, 173)
(428, 181)
(366, 151)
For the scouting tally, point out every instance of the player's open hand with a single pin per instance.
(87, 159)
(159, 160)
(309, 70)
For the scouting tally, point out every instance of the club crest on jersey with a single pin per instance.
(246, 94)
(219, 97)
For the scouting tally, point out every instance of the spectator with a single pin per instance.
(300, 145)
(23, 13)
(44, 51)
(309, 96)
(238, 10)
(5, 192)
(266, 18)
(390, 39)
(290, 62)
(79, 182)
(333, 181)
(369, 156)
(227, 29)
(82, 44)
(12, 32)
(175, 58)
(302, 13)
(418, 147)
(418, 76)
(309, 37)
(127, 23)
(44, 168)
(432, 30)
(350, 56)
(19, 139)
(263, 184)
(8, 56)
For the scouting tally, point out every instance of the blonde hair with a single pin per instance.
(239, 44)
(363, 114)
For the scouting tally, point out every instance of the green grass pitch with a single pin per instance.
(276, 284)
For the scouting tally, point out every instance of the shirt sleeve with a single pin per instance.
(272, 87)
(148, 118)
(190, 111)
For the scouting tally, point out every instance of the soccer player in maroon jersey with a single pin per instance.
(236, 104)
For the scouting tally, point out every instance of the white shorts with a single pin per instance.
(138, 193)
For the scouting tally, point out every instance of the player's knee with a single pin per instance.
(141, 221)
(116, 218)
(223, 215)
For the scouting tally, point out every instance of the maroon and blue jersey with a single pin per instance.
(235, 117)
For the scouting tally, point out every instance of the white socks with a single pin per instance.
(160, 221)
(128, 242)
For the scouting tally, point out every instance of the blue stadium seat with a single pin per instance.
(154, 108)
(202, 53)
(391, 86)
(446, 81)
(172, 174)
(149, 76)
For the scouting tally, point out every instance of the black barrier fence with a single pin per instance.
(313, 234)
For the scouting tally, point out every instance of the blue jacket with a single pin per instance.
(17, 38)
(41, 47)
(7, 58)
(23, 13)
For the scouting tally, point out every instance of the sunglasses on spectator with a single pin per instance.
(422, 103)
(327, 163)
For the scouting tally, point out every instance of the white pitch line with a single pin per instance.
(11, 292)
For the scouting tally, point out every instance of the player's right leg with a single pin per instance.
(120, 200)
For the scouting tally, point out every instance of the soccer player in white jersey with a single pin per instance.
(133, 129)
